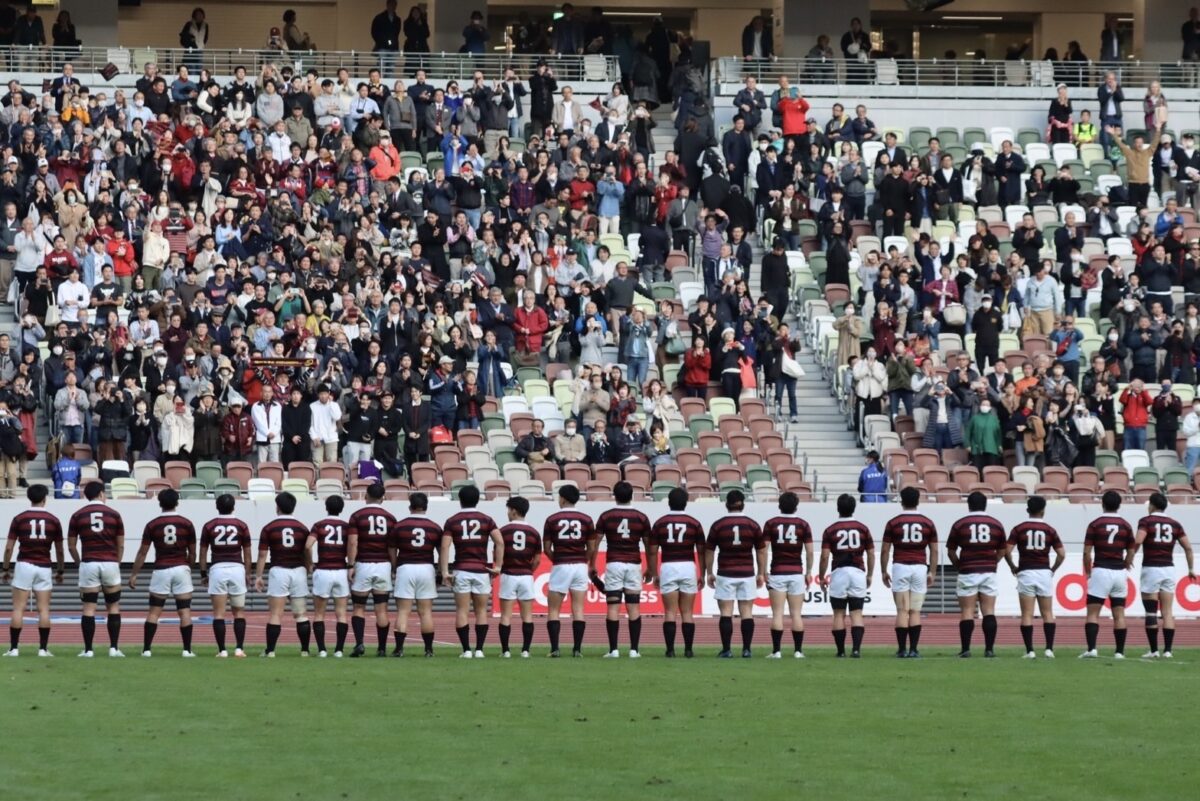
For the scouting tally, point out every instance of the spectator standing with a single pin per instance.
(1136, 404)
(71, 404)
(178, 432)
(206, 427)
(237, 432)
(416, 30)
(1167, 409)
(385, 30)
(983, 438)
(267, 417)
(1191, 429)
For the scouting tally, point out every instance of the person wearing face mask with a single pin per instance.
(983, 438)
(570, 447)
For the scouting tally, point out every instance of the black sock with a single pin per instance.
(1168, 639)
(798, 641)
(427, 637)
(689, 635)
(901, 637)
(218, 627)
(481, 632)
(725, 624)
(319, 635)
(747, 632)
(43, 637)
(114, 629)
(304, 632)
(1027, 637)
(856, 637)
(526, 636)
(464, 636)
(578, 627)
(88, 624)
(1119, 635)
(1152, 633)
(635, 634)
(14, 637)
(1091, 631)
(400, 637)
(776, 640)
(839, 639)
(914, 636)
(553, 629)
(989, 632)
(669, 635)
(1049, 629)
(614, 631)
(359, 626)
(504, 632)
(239, 632)
(273, 631)
(186, 633)
(381, 633)
(148, 630)
(341, 630)
(965, 629)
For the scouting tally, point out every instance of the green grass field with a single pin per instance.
(541, 729)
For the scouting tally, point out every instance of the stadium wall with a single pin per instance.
(1069, 519)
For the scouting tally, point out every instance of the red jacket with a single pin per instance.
(696, 368)
(537, 322)
(1136, 411)
(794, 111)
(237, 434)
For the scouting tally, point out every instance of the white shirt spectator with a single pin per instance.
(325, 417)
(268, 422)
(73, 297)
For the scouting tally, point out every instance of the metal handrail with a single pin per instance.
(438, 66)
(961, 72)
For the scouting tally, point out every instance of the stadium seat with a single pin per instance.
(125, 488)
(176, 471)
(144, 470)
(192, 489)
(226, 486)
(209, 472)
(302, 471)
(262, 489)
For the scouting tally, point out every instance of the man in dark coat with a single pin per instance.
(417, 420)
(775, 280)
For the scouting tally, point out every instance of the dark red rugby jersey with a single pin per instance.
(470, 531)
(522, 544)
(980, 540)
(623, 528)
(226, 536)
(570, 531)
(910, 535)
(416, 540)
(1162, 533)
(372, 527)
(787, 534)
(284, 538)
(332, 540)
(847, 540)
(1034, 540)
(1109, 536)
(35, 530)
(735, 538)
(679, 537)
(171, 534)
(97, 527)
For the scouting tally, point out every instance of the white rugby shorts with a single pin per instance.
(1106, 582)
(910, 578)
(287, 582)
(171, 581)
(33, 578)
(735, 589)
(976, 584)
(227, 578)
(1038, 583)
(789, 583)
(678, 577)
(473, 583)
(516, 588)
(370, 577)
(99, 574)
(1158, 579)
(623, 577)
(331, 583)
(571, 577)
(848, 582)
(416, 582)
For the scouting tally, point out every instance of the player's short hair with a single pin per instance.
(468, 496)
(37, 493)
(285, 503)
(623, 492)
(225, 503)
(789, 502)
(846, 504)
(569, 493)
(735, 501)
(93, 490)
(910, 497)
(1035, 505)
(1158, 501)
(418, 502)
(334, 504)
(677, 499)
(976, 502)
(375, 491)
(1111, 501)
(519, 505)
(167, 499)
